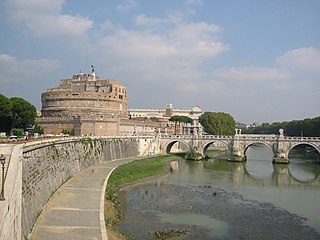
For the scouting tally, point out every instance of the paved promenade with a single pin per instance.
(76, 209)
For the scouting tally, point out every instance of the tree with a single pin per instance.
(38, 129)
(218, 123)
(16, 113)
(177, 118)
(309, 127)
(5, 113)
(23, 113)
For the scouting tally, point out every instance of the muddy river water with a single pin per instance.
(217, 199)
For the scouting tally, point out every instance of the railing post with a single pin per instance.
(281, 153)
(3, 161)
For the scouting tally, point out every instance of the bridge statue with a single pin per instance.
(238, 144)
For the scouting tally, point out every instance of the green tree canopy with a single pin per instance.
(218, 123)
(309, 127)
(177, 118)
(5, 113)
(16, 113)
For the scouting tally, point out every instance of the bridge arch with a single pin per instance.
(239, 144)
(258, 142)
(304, 143)
(168, 146)
(309, 174)
(207, 145)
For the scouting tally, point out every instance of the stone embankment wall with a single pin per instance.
(45, 168)
(10, 209)
(38, 169)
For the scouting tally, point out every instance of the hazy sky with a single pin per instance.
(257, 60)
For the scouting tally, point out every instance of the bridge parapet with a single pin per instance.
(317, 139)
(196, 136)
(255, 137)
(239, 143)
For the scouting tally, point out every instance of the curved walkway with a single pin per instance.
(76, 210)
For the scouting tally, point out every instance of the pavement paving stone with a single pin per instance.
(74, 211)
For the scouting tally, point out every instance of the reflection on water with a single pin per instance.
(303, 163)
(217, 195)
(259, 161)
(294, 187)
(303, 171)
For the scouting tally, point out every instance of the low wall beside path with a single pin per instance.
(39, 168)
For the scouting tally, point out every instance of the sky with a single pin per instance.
(257, 60)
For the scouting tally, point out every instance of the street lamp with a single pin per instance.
(2, 161)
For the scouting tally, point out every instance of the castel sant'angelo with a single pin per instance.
(89, 106)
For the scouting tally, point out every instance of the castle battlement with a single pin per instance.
(84, 103)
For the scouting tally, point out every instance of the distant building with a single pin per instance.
(162, 116)
(193, 113)
(84, 104)
(247, 126)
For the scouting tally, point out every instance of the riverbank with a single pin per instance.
(125, 175)
(206, 212)
(159, 208)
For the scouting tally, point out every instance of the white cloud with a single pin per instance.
(301, 59)
(191, 32)
(210, 87)
(22, 8)
(128, 4)
(106, 26)
(142, 20)
(291, 70)
(14, 70)
(251, 74)
(193, 41)
(5, 58)
(196, 2)
(43, 18)
(157, 56)
(290, 75)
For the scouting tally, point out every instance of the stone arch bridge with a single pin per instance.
(238, 144)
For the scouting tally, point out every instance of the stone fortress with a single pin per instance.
(90, 106)
(85, 104)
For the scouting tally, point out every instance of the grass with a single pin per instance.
(126, 174)
(135, 171)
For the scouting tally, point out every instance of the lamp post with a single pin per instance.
(2, 161)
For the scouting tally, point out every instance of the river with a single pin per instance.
(217, 199)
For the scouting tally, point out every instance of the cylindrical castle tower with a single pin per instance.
(84, 98)
(85, 95)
